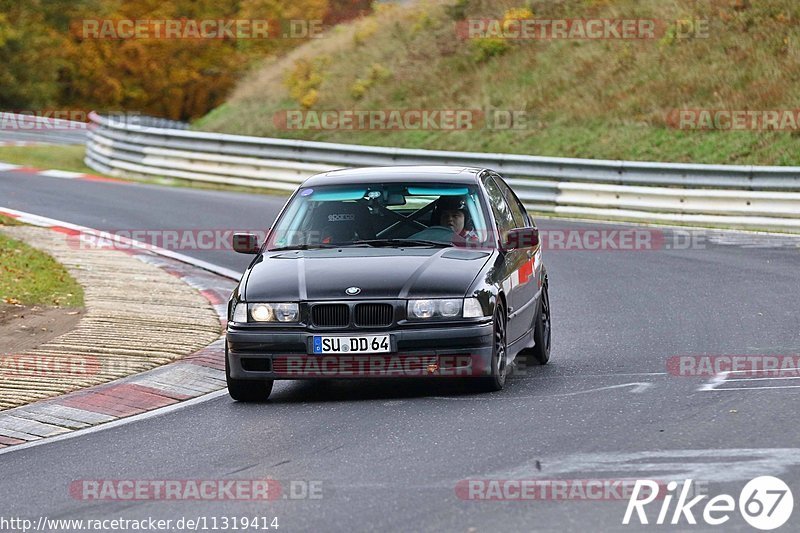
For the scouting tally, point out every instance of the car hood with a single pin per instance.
(309, 275)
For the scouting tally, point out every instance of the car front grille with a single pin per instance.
(330, 315)
(374, 314)
(361, 315)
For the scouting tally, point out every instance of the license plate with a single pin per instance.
(357, 344)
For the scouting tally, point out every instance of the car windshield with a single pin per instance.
(382, 214)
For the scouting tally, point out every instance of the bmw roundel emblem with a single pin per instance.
(352, 291)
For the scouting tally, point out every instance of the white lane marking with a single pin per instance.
(721, 465)
(66, 174)
(715, 382)
(4, 167)
(612, 375)
(116, 423)
(46, 222)
(768, 387)
(787, 369)
(763, 379)
(637, 389)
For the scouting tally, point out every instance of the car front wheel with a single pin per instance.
(497, 380)
(246, 390)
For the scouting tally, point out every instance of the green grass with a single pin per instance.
(602, 99)
(59, 157)
(8, 221)
(31, 277)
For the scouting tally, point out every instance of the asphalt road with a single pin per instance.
(389, 455)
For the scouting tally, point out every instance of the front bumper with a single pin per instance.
(462, 351)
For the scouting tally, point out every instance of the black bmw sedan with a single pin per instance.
(390, 272)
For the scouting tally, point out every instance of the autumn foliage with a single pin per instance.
(46, 62)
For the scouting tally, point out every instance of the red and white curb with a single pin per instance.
(189, 378)
(61, 174)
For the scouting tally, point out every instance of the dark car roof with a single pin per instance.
(432, 174)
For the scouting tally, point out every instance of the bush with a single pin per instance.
(484, 48)
(304, 79)
(376, 73)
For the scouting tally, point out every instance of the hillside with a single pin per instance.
(597, 98)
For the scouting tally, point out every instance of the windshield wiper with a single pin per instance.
(302, 247)
(364, 242)
(406, 242)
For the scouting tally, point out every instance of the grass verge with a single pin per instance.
(58, 157)
(31, 277)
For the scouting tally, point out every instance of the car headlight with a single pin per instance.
(262, 313)
(434, 308)
(266, 312)
(286, 312)
(421, 308)
(449, 308)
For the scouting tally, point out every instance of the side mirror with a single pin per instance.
(521, 238)
(245, 243)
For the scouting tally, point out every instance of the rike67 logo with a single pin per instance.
(765, 503)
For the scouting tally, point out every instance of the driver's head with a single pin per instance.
(453, 213)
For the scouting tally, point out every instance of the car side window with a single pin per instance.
(502, 212)
(521, 218)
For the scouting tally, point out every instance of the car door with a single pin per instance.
(528, 289)
(511, 262)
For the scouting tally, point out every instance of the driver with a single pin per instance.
(453, 213)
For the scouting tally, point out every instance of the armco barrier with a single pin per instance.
(752, 197)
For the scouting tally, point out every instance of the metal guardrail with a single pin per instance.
(751, 197)
(133, 119)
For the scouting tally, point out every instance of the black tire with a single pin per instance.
(497, 380)
(246, 390)
(542, 331)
